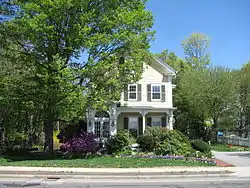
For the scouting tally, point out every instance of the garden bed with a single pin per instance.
(109, 162)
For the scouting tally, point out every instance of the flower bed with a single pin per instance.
(172, 157)
(239, 148)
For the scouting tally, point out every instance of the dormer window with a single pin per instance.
(156, 92)
(132, 91)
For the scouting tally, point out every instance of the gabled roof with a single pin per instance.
(165, 65)
(159, 60)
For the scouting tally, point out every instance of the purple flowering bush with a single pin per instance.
(84, 143)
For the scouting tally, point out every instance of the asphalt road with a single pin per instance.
(239, 159)
(199, 183)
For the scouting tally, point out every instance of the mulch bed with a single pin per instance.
(221, 163)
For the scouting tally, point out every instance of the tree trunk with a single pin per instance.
(2, 132)
(215, 126)
(2, 138)
(48, 131)
(30, 137)
(240, 129)
(246, 127)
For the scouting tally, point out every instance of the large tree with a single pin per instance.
(244, 98)
(51, 35)
(196, 50)
(211, 91)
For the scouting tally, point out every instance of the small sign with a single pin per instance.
(220, 133)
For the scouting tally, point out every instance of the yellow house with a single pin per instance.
(149, 102)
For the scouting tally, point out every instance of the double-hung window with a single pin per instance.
(156, 121)
(156, 92)
(132, 91)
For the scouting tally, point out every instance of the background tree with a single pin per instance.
(211, 91)
(196, 50)
(244, 99)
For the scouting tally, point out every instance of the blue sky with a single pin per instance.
(225, 22)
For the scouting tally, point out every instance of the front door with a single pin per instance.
(102, 128)
(133, 126)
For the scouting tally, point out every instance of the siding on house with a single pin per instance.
(152, 75)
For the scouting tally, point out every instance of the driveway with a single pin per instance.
(239, 159)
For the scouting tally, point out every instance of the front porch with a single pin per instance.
(134, 119)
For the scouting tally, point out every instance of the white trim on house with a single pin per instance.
(165, 65)
(132, 92)
(156, 85)
(101, 127)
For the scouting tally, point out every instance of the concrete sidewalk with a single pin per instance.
(238, 159)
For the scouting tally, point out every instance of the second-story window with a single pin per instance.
(132, 94)
(156, 92)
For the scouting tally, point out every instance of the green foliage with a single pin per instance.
(173, 60)
(163, 141)
(45, 40)
(243, 107)
(196, 50)
(207, 154)
(228, 148)
(173, 146)
(56, 140)
(72, 129)
(17, 139)
(118, 143)
(211, 91)
(146, 143)
(200, 145)
(103, 162)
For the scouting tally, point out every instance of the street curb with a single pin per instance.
(110, 177)
(114, 173)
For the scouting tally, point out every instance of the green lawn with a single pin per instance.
(102, 162)
(226, 148)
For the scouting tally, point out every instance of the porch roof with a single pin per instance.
(143, 109)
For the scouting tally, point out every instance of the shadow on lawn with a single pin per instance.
(32, 155)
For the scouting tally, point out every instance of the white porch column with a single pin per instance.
(113, 127)
(167, 121)
(143, 124)
(143, 114)
(113, 118)
(90, 115)
(171, 119)
(92, 128)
